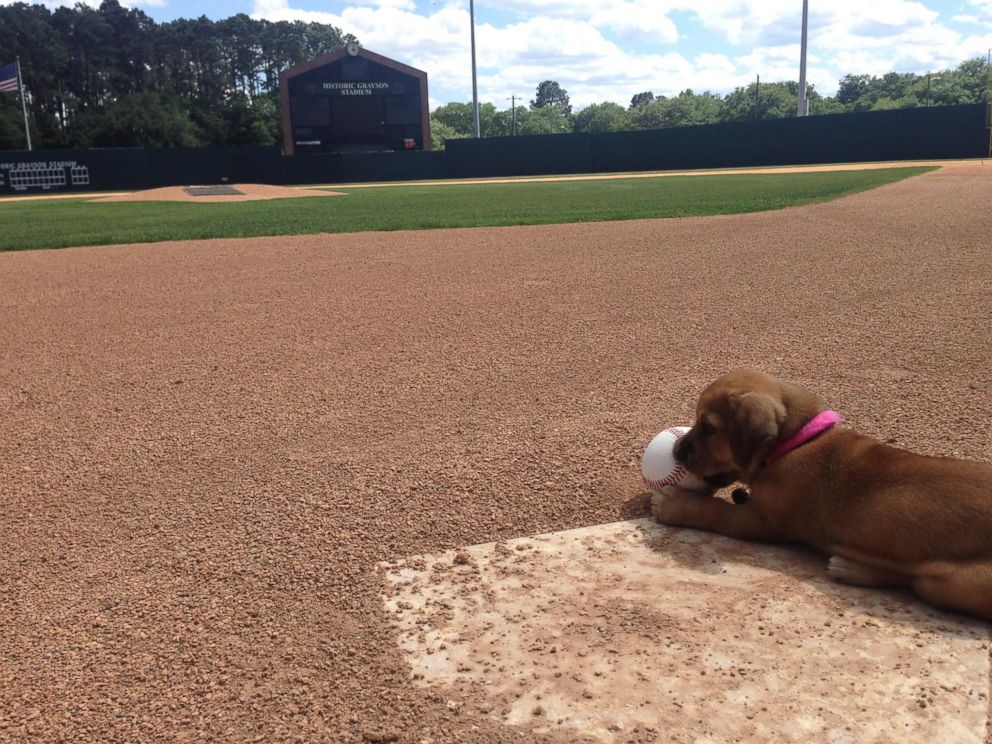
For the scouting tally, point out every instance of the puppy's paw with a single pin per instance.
(657, 502)
(846, 571)
(665, 503)
(843, 569)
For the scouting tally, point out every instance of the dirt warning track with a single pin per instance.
(208, 447)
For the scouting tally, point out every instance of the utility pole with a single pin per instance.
(513, 115)
(803, 108)
(757, 99)
(475, 87)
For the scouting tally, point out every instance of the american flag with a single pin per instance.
(8, 78)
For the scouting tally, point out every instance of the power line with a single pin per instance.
(513, 114)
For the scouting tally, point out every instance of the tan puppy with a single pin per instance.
(886, 517)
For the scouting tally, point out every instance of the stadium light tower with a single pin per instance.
(803, 103)
(475, 87)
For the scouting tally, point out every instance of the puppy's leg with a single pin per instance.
(964, 588)
(847, 571)
(679, 508)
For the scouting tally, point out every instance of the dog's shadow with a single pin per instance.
(708, 553)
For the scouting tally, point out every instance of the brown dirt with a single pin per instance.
(249, 192)
(700, 172)
(208, 446)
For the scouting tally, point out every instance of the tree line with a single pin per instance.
(112, 77)
(550, 111)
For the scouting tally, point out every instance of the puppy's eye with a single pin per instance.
(707, 428)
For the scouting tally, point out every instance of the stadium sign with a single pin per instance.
(354, 100)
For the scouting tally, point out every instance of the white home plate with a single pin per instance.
(637, 632)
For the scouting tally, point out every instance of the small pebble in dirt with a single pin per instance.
(380, 737)
(538, 710)
(462, 558)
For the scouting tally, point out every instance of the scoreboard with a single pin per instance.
(354, 101)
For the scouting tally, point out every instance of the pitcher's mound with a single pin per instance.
(636, 632)
(245, 192)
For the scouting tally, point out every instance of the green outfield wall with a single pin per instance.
(903, 134)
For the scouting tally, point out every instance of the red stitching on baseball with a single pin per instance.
(678, 472)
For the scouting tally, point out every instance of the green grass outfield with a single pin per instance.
(72, 222)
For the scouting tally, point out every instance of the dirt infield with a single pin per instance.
(248, 192)
(208, 446)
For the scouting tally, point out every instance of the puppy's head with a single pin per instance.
(739, 420)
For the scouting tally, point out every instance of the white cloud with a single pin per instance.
(635, 24)
(982, 14)
(602, 50)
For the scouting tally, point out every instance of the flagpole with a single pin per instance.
(24, 107)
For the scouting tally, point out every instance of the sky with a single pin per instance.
(609, 50)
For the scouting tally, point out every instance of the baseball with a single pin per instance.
(659, 468)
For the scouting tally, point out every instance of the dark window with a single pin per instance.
(311, 112)
(403, 110)
(357, 115)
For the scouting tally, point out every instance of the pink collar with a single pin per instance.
(813, 428)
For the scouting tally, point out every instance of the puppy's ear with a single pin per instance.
(756, 420)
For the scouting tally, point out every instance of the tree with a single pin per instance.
(971, 77)
(11, 135)
(884, 104)
(602, 117)
(441, 132)
(503, 121)
(27, 31)
(251, 121)
(456, 116)
(895, 85)
(549, 93)
(490, 125)
(853, 87)
(819, 105)
(775, 101)
(544, 120)
(640, 99)
(80, 62)
(138, 119)
(685, 109)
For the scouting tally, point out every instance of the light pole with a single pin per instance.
(475, 87)
(803, 108)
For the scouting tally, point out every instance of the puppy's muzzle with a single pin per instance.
(683, 448)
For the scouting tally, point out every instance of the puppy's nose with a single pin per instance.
(683, 449)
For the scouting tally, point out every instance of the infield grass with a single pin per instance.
(75, 222)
